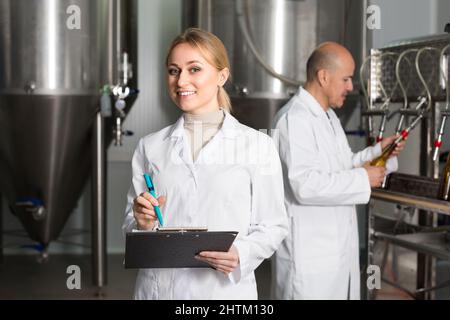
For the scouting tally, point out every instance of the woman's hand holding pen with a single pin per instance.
(143, 210)
(224, 262)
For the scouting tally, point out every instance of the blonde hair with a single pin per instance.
(212, 49)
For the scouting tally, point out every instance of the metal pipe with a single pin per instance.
(364, 35)
(373, 113)
(204, 14)
(382, 127)
(444, 77)
(385, 105)
(118, 132)
(426, 218)
(387, 98)
(369, 107)
(370, 225)
(361, 82)
(417, 110)
(402, 88)
(439, 286)
(1, 229)
(419, 73)
(397, 286)
(99, 262)
(438, 142)
(425, 262)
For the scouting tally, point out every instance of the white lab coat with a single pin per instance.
(323, 182)
(236, 184)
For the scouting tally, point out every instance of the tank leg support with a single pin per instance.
(1, 229)
(99, 262)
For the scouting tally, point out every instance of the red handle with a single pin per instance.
(404, 133)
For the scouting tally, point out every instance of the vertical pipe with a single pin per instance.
(367, 247)
(204, 15)
(370, 241)
(436, 118)
(99, 204)
(1, 229)
(364, 34)
(422, 260)
(428, 168)
(434, 172)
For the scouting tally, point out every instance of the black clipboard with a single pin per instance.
(173, 249)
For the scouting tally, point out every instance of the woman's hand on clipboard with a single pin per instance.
(224, 262)
(143, 210)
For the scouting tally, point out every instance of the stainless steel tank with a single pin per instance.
(269, 40)
(55, 56)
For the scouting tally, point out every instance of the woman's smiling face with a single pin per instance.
(193, 82)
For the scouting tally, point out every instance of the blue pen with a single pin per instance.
(151, 189)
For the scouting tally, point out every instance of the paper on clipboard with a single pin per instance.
(181, 229)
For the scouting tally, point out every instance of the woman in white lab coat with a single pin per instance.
(208, 170)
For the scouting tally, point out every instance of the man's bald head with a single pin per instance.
(330, 71)
(329, 56)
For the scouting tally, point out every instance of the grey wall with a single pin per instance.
(443, 14)
(401, 19)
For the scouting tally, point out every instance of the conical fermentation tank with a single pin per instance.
(55, 57)
(269, 42)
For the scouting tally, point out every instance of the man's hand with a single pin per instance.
(376, 174)
(388, 140)
(224, 262)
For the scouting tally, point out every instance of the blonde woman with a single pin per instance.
(214, 172)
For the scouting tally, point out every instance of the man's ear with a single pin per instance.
(322, 77)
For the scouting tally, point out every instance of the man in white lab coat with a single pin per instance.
(323, 181)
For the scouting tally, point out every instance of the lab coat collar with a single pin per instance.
(177, 129)
(311, 103)
(230, 126)
(228, 130)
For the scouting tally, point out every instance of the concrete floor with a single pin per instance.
(403, 273)
(23, 277)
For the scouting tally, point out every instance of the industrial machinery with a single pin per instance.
(269, 41)
(416, 81)
(66, 84)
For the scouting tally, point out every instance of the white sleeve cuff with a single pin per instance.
(236, 275)
(239, 271)
(391, 165)
(377, 150)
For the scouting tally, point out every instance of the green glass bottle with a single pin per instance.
(381, 160)
(445, 181)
